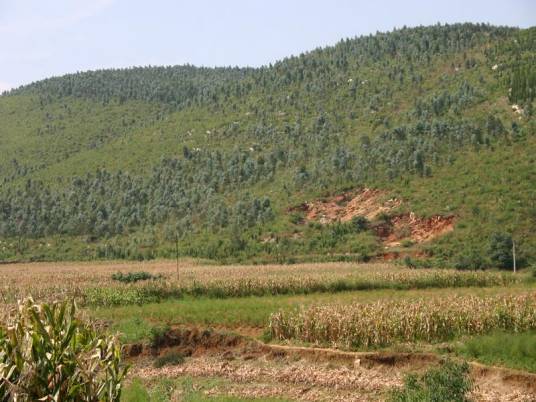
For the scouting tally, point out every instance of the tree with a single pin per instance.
(418, 162)
(500, 248)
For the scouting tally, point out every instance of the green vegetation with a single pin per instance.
(134, 322)
(114, 296)
(158, 335)
(515, 350)
(207, 162)
(47, 353)
(170, 358)
(133, 329)
(501, 250)
(133, 277)
(245, 287)
(448, 383)
(135, 392)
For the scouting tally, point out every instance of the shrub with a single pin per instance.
(169, 359)
(417, 262)
(470, 259)
(133, 277)
(158, 335)
(383, 217)
(360, 223)
(296, 219)
(448, 383)
(406, 243)
(409, 262)
(48, 353)
(130, 294)
(500, 248)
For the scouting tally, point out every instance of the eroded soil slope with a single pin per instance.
(390, 225)
(253, 369)
(343, 207)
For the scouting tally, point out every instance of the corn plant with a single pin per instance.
(47, 353)
(386, 322)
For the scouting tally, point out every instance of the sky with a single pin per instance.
(43, 38)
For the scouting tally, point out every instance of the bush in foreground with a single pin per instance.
(47, 353)
(448, 383)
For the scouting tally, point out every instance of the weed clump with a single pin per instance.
(158, 335)
(448, 383)
(169, 359)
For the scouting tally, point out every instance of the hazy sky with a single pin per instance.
(41, 38)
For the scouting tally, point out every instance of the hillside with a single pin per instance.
(416, 143)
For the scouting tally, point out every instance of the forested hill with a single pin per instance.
(417, 143)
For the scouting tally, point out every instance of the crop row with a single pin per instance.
(223, 282)
(387, 322)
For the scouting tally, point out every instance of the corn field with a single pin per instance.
(387, 322)
(93, 284)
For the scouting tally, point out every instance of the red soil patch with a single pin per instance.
(370, 203)
(413, 228)
(366, 202)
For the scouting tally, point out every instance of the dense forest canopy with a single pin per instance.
(128, 162)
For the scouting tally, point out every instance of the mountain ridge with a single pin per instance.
(216, 159)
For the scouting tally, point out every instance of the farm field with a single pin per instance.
(326, 331)
(341, 215)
